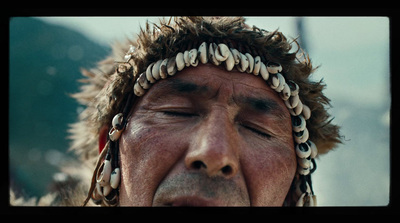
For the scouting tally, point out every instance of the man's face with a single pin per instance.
(207, 136)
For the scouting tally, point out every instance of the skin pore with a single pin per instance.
(207, 137)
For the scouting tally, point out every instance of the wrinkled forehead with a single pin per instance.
(209, 83)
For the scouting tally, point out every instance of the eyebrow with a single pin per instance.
(187, 87)
(259, 104)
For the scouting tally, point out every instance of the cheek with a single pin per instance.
(269, 174)
(147, 152)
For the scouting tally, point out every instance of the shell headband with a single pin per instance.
(107, 173)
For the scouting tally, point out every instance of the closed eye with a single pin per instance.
(258, 132)
(179, 114)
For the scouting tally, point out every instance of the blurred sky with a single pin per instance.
(353, 54)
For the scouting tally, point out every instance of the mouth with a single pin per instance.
(192, 201)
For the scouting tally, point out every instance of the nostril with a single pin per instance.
(198, 165)
(226, 170)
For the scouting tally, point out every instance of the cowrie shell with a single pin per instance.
(303, 150)
(186, 58)
(171, 66)
(264, 72)
(294, 88)
(244, 63)
(314, 150)
(285, 93)
(117, 121)
(274, 68)
(301, 137)
(142, 80)
(163, 69)
(211, 53)
(115, 178)
(138, 90)
(103, 178)
(250, 58)
(292, 101)
(155, 72)
(298, 123)
(114, 134)
(202, 51)
(229, 62)
(222, 52)
(149, 76)
(306, 112)
(257, 65)
(180, 62)
(193, 57)
(236, 55)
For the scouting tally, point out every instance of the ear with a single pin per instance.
(102, 138)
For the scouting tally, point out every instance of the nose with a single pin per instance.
(214, 148)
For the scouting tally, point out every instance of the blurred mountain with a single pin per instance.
(45, 62)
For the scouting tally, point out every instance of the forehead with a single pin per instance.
(210, 81)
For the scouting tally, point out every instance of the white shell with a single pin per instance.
(303, 162)
(229, 62)
(163, 69)
(193, 57)
(236, 55)
(294, 88)
(314, 150)
(155, 72)
(114, 134)
(282, 82)
(303, 171)
(264, 72)
(106, 190)
(274, 81)
(186, 58)
(257, 65)
(306, 112)
(202, 51)
(138, 90)
(292, 101)
(250, 58)
(171, 66)
(274, 68)
(211, 53)
(105, 174)
(143, 82)
(180, 62)
(244, 63)
(115, 178)
(297, 110)
(301, 137)
(298, 123)
(303, 150)
(285, 93)
(149, 76)
(222, 52)
(117, 121)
